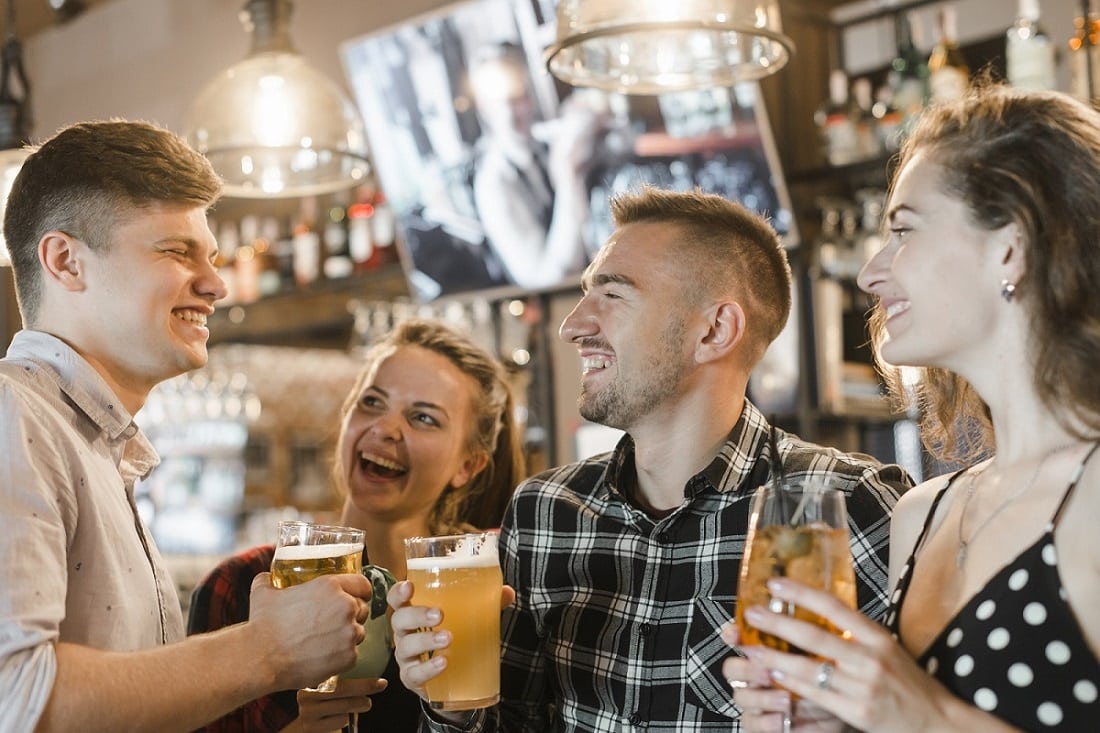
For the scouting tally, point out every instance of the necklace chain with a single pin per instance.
(964, 542)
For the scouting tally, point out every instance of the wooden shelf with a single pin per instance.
(314, 317)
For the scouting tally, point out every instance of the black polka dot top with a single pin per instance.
(1015, 649)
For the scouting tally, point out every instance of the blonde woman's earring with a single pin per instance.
(1008, 290)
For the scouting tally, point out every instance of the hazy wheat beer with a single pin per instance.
(461, 576)
(305, 551)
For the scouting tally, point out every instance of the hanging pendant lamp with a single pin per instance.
(272, 125)
(654, 46)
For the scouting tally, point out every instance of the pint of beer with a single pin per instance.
(460, 575)
(305, 551)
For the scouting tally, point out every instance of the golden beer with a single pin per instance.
(305, 551)
(468, 590)
(295, 564)
(816, 555)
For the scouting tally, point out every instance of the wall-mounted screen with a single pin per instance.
(500, 176)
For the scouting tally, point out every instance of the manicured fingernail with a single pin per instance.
(754, 614)
(776, 675)
(434, 616)
(442, 637)
(775, 585)
(439, 662)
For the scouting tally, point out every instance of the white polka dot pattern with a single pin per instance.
(954, 637)
(1049, 714)
(1020, 674)
(1085, 691)
(1035, 613)
(1057, 652)
(998, 639)
(986, 699)
(1016, 649)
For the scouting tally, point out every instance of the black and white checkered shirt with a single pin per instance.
(615, 625)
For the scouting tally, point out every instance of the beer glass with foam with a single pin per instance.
(460, 575)
(305, 551)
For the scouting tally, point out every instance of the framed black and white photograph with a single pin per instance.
(500, 176)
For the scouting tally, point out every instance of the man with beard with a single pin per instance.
(625, 565)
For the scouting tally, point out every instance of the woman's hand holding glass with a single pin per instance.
(796, 530)
(872, 683)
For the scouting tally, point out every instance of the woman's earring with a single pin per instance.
(1008, 290)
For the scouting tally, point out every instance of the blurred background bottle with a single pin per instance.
(948, 72)
(908, 75)
(836, 127)
(1084, 57)
(867, 140)
(1029, 51)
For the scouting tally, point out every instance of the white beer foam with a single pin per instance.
(452, 562)
(316, 552)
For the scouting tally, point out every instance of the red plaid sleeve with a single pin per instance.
(221, 599)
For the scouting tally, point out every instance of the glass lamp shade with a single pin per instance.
(273, 126)
(10, 162)
(654, 46)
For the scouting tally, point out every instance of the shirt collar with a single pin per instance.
(737, 467)
(77, 379)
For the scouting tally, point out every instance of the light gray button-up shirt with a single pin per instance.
(77, 563)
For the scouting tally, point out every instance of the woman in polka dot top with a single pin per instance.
(989, 285)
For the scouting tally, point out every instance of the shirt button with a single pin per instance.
(635, 718)
(646, 629)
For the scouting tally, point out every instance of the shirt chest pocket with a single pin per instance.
(705, 653)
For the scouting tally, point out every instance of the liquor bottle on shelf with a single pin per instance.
(384, 229)
(835, 124)
(307, 253)
(1029, 51)
(248, 263)
(360, 238)
(228, 244)
(338, 262)
(1084, 58)
(889, 122)
(271, 249)
(908, 75)
(867, 140)
(948, 72)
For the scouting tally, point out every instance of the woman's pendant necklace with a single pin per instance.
(964, 542)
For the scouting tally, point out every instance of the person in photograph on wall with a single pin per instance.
(529, 180)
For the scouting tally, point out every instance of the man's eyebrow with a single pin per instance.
(612, 278)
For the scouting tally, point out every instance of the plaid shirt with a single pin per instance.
(615, 625)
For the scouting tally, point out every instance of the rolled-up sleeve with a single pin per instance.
(28, 667)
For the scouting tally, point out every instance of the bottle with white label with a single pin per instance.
(948, 72)
(839, 139)
(1029, 51)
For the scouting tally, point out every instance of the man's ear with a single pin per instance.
(725, 329)
(62, 258)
